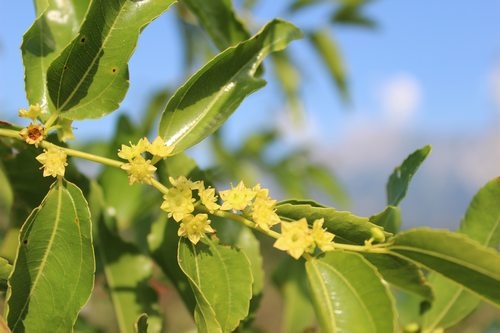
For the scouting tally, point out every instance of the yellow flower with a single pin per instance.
(132, 151)
(208, 197)
(32, 113)
(33, 134)
(237, 198)
(321, 237)
(159, 148)
(53, 161)
(295, 238)
(263, 212)
(139, 170)
(183, 184)
(195, 227)
(178, 203)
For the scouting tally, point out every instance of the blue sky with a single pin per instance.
(430, 73)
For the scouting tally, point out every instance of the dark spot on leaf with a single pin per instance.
(65, 67)
(25, 241)
(114, 69)
(83, 39)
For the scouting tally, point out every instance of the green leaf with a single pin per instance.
(402, 274)
(127, 275)
(55, 264)
(90, 77)
(346, 226)
(400, 178)
(455, 256)
(57, 23)
(288, 77)
(348, 294)
(327, 49)
(243, 238)
(212, 94)
(351, 14)
(482, 223)
(163, 246)
(5, 269)
(219, 20)
(389, 219)
(291, 279)
(6, 197)
(141, 324)
(221, 278)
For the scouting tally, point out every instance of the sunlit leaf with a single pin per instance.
(55, 264)
(291, 279)
(211, 95)
(219, 20)
(348, 294)
(400, 178)
(327, 49)
(90, 77)
(127, 275)
(346, 226)
(455, 256)
(482, 223)
(221, 279)
(57, 23)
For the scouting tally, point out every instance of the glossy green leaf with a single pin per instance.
(402, 274)
(57, 23)
(346, 226)
(127, 274)
(329, 52)
(90, 77)
(400, 178)
(55, 264)
(212, 94)
(291, 279)
(348, 294)
(455, 256)
(5, 269)
(219, 20)
(389, 219)
(482, 223)
(221, 277)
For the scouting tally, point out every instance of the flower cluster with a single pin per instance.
(297, 238)
(139, 168)
(178, 202)
(53, 161)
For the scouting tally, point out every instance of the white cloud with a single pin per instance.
(400, 96)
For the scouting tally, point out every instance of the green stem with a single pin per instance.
(70, 152)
